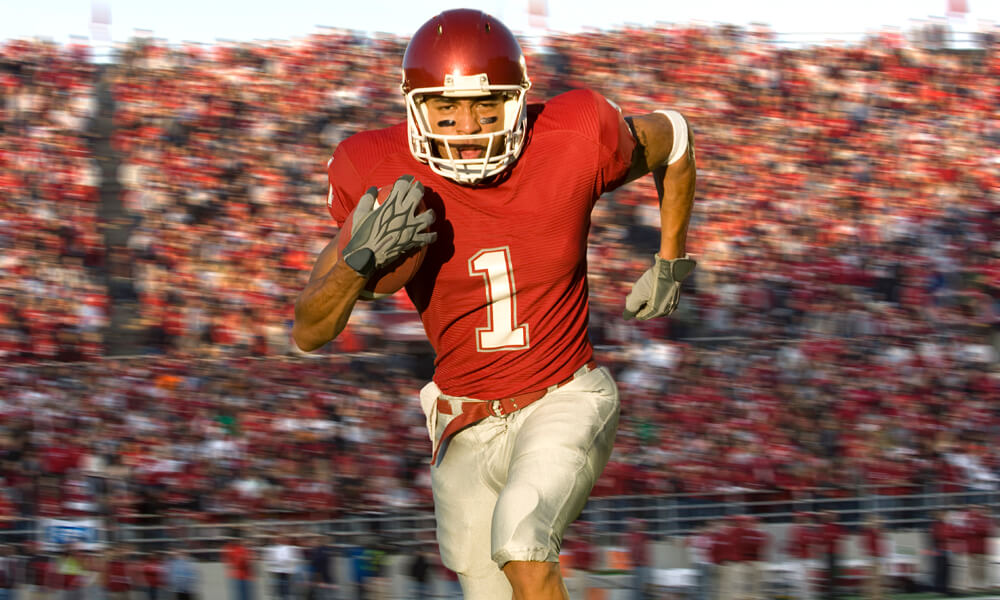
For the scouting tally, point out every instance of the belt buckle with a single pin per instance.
(495, 408)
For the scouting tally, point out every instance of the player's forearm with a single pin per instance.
(325, 305)
(677, 185)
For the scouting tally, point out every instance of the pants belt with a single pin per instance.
(472, 411)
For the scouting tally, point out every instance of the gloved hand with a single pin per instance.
(658, 290)
(380, 235)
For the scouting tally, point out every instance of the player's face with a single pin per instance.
(466, 116)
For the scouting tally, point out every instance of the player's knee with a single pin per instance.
(492, 586)
(531, 579)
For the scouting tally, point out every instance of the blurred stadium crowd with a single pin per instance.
(841, 328)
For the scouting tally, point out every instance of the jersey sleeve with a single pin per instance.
(346, 186)
(616, 144)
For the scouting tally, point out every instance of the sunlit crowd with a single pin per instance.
(840, 329)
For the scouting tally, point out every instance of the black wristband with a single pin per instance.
(362, 261)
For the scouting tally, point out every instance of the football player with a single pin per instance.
(522, 421)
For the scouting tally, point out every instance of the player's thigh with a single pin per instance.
(562, 444)
(463, 506)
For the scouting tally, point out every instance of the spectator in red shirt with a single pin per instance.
(979, 530)
(702, 559)
(958, 554)
(874, 544)
(940, 551)
(831, 534)
(238, 558)
(756, 545)
(117, 580)
(583, 558)
(726, 555)
(637, 542)
(153, 575)
(8, 512)
(802, 537)
(742, 551)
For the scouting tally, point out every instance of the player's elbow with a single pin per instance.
(310, 337)
(306, 337)
(304, 342)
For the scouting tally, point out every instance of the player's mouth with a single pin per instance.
(469, 151)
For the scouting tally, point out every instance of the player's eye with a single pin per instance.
(440, 106)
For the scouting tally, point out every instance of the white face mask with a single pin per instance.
(510, 139)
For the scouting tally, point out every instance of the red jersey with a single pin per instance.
(238, 561)
(724, 548)
(801, 539)
(978, 533)
(874, 541)
(584, 555)
(153, 573)
(117, 577)
(831, 533)
(502, 293)
(638, 547)
(755, 543)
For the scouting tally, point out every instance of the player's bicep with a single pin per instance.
(658, 144)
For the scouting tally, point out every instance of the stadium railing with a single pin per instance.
(663, 516)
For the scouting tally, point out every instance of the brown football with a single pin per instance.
(391, 278)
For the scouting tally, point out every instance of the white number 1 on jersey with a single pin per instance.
(502, 331)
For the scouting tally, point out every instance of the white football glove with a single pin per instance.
(658, 290)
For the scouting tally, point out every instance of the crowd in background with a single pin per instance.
(245, 436)
(53, 303)
(840, 330)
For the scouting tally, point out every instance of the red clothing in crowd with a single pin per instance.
(153, 572)
(638, 547)
(874, 541)
(802, 539)
(583, 553)
(941, 535)
(725, 547)
(978, 531)
(238, 561)
(116, 575)
(831, 534)
(742, 542)
(755, 544)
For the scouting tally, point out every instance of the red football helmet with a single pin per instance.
(465, 53)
